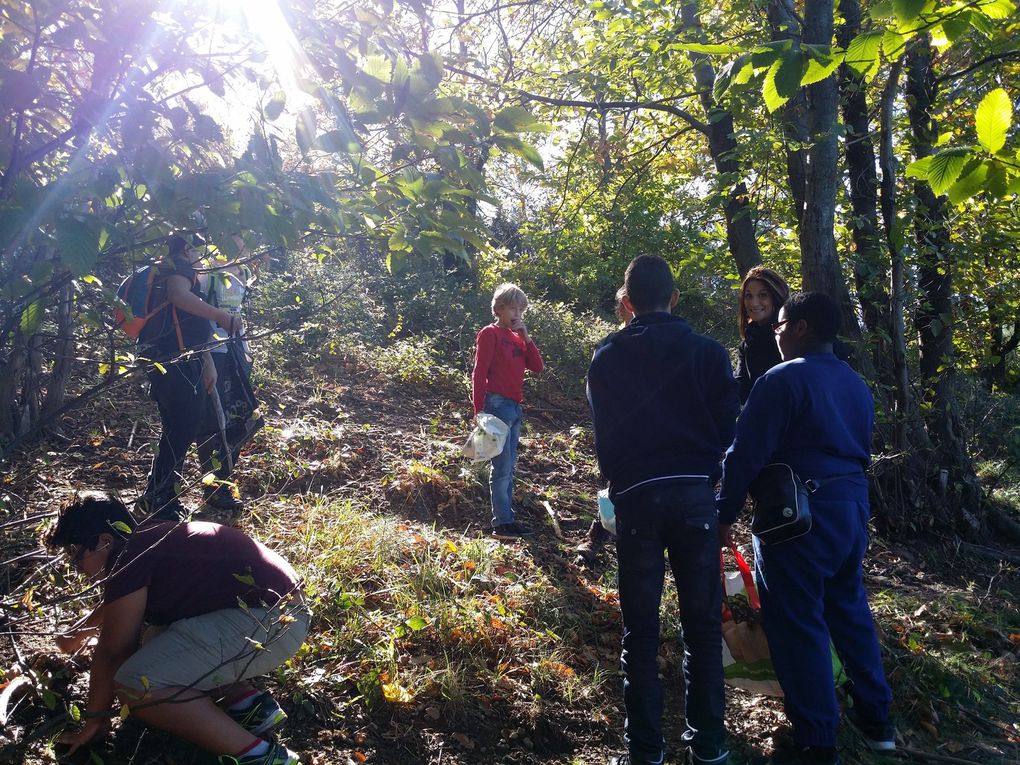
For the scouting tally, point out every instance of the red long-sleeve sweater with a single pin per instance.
(501, 356)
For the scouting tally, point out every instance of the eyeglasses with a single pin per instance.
(777, 324)
(79, 554)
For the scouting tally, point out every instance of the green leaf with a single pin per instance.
(946, 167)
(997, 9)
(31, 318)
(919, 168)
(908, 10)
(790, 73)
(993, 118)
(247, 579)
(275, 106)
(893, 45)
(955, 28)
(379, 68)
(530, 153)
(711, 50)
(416, 623)
(819, 68)
(517, 119)
(122, 527)
(783, 79)
(304, 130)
(971, 183)
(862, 53)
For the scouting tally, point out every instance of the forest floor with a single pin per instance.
(432, 641)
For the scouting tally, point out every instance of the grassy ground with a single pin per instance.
(434, 643)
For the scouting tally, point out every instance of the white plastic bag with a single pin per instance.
(487, 439)
(607, 512)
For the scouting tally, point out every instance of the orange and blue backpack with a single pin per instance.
(143, 294)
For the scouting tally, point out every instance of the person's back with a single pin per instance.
(813, 413)
(663, 403)
(660, 402)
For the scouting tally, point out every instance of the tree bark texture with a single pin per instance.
(870, 264)
(934, 316)
(725, 152)
(63, 357)
(819, 262)
(785, 25)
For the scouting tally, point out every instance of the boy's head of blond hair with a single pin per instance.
(508, 294)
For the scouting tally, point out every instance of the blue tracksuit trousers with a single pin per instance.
(811, 590)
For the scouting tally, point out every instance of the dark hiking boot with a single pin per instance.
(512, 531)
(222, 498)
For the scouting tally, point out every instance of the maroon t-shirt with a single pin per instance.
(196, 568)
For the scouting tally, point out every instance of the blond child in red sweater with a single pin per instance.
(503, 351)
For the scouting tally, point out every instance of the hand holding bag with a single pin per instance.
(781, 510)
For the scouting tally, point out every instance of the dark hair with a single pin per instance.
(778, 289)
(85, 516)
(176, 245)
(820, 311)
(649, 283)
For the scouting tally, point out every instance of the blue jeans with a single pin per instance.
(677, 517)
(811, 589)
(501, 472)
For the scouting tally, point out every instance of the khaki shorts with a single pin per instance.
(217, 649)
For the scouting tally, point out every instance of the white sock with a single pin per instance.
(244, 702)
(260, 747)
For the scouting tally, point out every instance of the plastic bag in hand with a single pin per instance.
(487, 439)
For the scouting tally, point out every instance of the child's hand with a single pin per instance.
(517, 325)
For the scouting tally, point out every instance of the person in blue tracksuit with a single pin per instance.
(664, 402)
(815, 414)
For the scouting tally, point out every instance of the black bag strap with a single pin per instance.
(814, 484)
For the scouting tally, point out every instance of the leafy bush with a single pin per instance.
(567, 341)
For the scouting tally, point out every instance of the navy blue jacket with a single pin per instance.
(815, 414)
(663, 400)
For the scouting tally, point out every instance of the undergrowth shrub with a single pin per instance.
(567, 341)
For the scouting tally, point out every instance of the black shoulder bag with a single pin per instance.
(781, 508)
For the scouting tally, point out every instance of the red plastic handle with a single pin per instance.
(746, 575)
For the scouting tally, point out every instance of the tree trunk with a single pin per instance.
(722, 145)
(956, 481)
(785, 26)
(819, 263)
(10, 379)
(906, 418)
(870, 265)
(63, 364)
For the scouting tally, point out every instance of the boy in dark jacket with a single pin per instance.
(664, 402)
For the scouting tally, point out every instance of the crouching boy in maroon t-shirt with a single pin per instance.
(191, 679)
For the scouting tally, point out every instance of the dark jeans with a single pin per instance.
(679, 518)
(180, 398)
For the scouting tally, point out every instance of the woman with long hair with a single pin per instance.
(762, 294)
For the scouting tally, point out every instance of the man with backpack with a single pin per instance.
(174, 341)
